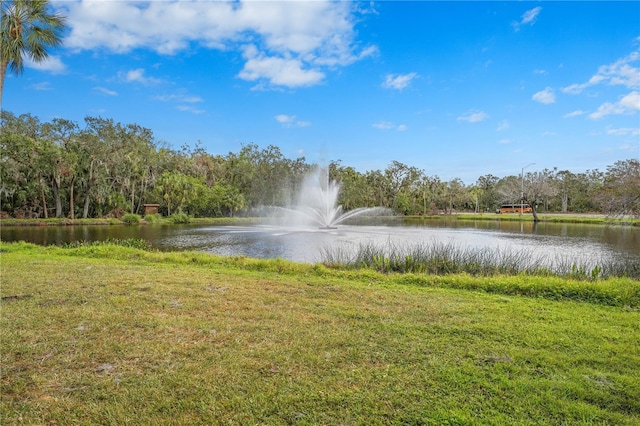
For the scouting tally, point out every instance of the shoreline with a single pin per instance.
(586, 218)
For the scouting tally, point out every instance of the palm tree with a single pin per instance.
(27, 30)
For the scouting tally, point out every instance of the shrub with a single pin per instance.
(180, 218)
(137, 243)
(153, 218)
(131, 219)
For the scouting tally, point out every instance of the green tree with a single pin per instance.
(239, 173)
(374, 182)
(28, 29)
(41, 160)
(565, 181)
(585, 198)
(91, 170)
(127, 162)
(456, 194)
(179, 190)
(476, 193)
(60, 161)
(432, 190)
(620, 193)
(353, 186)
(508, 189)
(264, 175)
(227, 199)
(99, 148)
(22, 188)
(489, 196)
(401, 187)
(534, 188)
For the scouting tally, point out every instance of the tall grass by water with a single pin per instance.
(447, 258)
(437, 258)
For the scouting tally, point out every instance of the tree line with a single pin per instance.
(103, 168)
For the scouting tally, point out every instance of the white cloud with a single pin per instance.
(631, 101)
(503, 125)
(278, 71)
(191, 99)
(606, 109)
(574, 89)
(367, 52)
(387, 125)
(52, 64)
(43, 86)
(629, 131)
(290, 121)
(398, 81)
(527, 18)
(504, 141)
(575, 113)
(473, 116)
(105, 91)
(189, 108)
(383, 125)
(631, 148)
(622, 72)
(184, 102)
(137, 76)
(188, 99)
(540, 72)
(297, 40)
(545, 96)
(285, 119)
(627, 104)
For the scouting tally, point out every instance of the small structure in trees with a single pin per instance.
(151, 209)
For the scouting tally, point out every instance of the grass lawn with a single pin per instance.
(596, 219)
(115, 335)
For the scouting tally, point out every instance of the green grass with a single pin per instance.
(106, 334)
(155, 219)
(596, 219)
(61, 221)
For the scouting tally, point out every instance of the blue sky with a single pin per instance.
(457, 89)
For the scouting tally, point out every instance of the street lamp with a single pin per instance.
(522, 186)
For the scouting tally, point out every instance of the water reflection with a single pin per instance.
(566, 240)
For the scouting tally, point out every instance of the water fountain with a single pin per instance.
(317, 204)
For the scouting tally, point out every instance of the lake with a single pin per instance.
(576, 243)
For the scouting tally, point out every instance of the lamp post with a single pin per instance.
(522, 186)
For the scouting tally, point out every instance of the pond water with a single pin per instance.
(572, 242)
